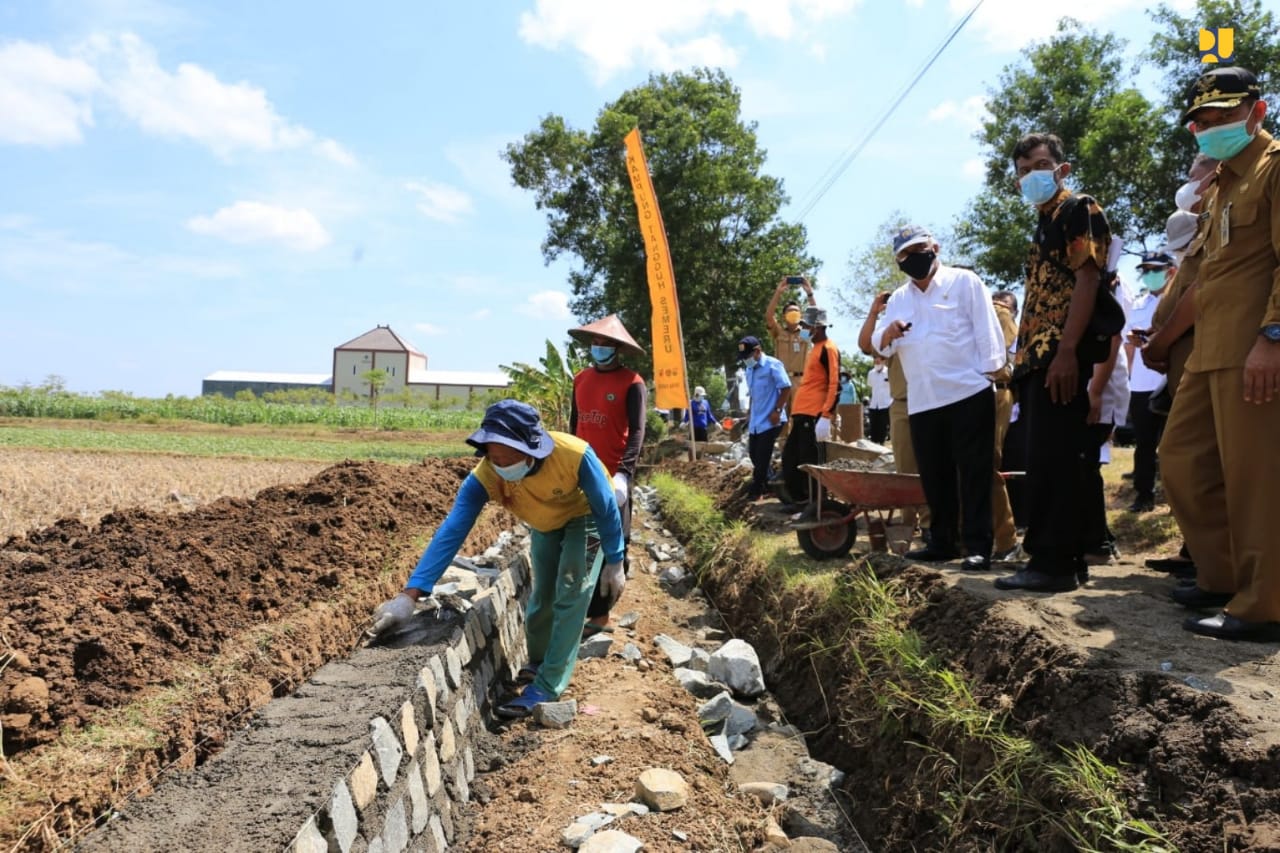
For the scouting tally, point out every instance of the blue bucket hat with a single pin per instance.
(516, 425)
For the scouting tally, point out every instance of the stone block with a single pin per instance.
(453, 668)
(387, 748)
(395, 829)
(409, 728)
(418, 799)
(437, 834)
(363, 782)
(431, 766)
(342, 814)
(448, 742)
(442, 685)
(309, 839)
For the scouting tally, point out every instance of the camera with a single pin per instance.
(795, 279)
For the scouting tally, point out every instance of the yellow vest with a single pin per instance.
(548, 498)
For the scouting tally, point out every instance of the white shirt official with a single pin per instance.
(1115, 394)
(1138, 314)
(954, 339)
(878, 379)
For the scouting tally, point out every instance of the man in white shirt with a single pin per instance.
(881, 400)
(943, 328)
(1155, 270)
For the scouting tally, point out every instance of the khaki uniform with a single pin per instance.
(1219, 457)
(1002, 524)
(793, 351)
(1180, 351)
(904, 454)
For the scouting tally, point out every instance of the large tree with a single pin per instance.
(728, 246)
(1078, 86)
(869, 271)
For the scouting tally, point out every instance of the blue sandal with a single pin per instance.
(522, 705)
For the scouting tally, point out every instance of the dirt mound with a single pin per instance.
(96, 615)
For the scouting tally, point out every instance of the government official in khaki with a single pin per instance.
(789, 346)
(1003, 526)
(1221, 450)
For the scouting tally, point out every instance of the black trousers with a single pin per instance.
(1147, 429)
(801, 449)
(879, 425)
(1057, 456)
(955, 453)
(760, 449)
(1097, 534)
(699, 433)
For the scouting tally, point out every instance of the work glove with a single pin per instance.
(620, 489)
(393, 614)
(822, 431)
(612, 581)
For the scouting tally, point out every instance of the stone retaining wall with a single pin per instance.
(416, 772)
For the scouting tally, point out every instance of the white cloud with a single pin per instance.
(975, 168)
(44, 98)
(481, 314)
(970, 112)
(1011, 25)
(255, 222)
(440, 201)
(547, 305)
(429, 329)
(670, 33)
(333, 151)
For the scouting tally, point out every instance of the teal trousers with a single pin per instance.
(563, 582)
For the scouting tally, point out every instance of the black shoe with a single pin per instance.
(1172, 566)
(1197, 598)
(1082, 575)
(1032, 580)
(975, 563)
(1224, 626)
(1127, 475)
(928, 555)
(1142, 504)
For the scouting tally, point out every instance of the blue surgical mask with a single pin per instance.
(1225, 141)
(1153, 280)
(1039, 185)
(806, 335)
(512, 473)
(603, 355)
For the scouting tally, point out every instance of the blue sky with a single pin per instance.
(201, 186)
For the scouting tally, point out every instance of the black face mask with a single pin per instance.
(918, 264)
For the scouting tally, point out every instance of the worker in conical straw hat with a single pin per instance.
(608, 412)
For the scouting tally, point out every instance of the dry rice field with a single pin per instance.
(38, 487)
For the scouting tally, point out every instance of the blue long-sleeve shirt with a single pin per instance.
(592, 478)
(702, 414)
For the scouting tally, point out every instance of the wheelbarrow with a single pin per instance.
(852, 494)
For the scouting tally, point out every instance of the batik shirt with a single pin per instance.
(1068, 237)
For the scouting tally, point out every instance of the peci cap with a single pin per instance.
(1179, 229)
(1222, 87)
(607, 327)
(813, 316)
(1156, 260)
(910, 235)
(516, 425)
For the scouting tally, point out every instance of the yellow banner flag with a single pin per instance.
(670, 388)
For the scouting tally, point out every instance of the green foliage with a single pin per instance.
(112, 406)
(655, 427)
(1076, 85)
(376, 379)
(547, 387)
(728, 244)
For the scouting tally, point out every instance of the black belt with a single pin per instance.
(1002, 386)
(798, 374)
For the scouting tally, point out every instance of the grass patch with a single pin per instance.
(976, 775)
(263, 446)
(1146, 531)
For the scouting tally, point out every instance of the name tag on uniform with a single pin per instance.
(1225, 228)
(795, 346)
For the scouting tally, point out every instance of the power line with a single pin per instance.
(833, 173)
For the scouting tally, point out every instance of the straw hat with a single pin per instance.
(611, 328)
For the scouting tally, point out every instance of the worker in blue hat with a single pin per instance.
(555, 483)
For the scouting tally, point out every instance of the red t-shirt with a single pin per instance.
(600, 398)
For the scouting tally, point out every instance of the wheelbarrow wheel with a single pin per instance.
(829, 541)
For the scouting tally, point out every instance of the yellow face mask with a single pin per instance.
(791, 317)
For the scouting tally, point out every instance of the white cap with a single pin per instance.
(699, 391)
(1179, 229)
